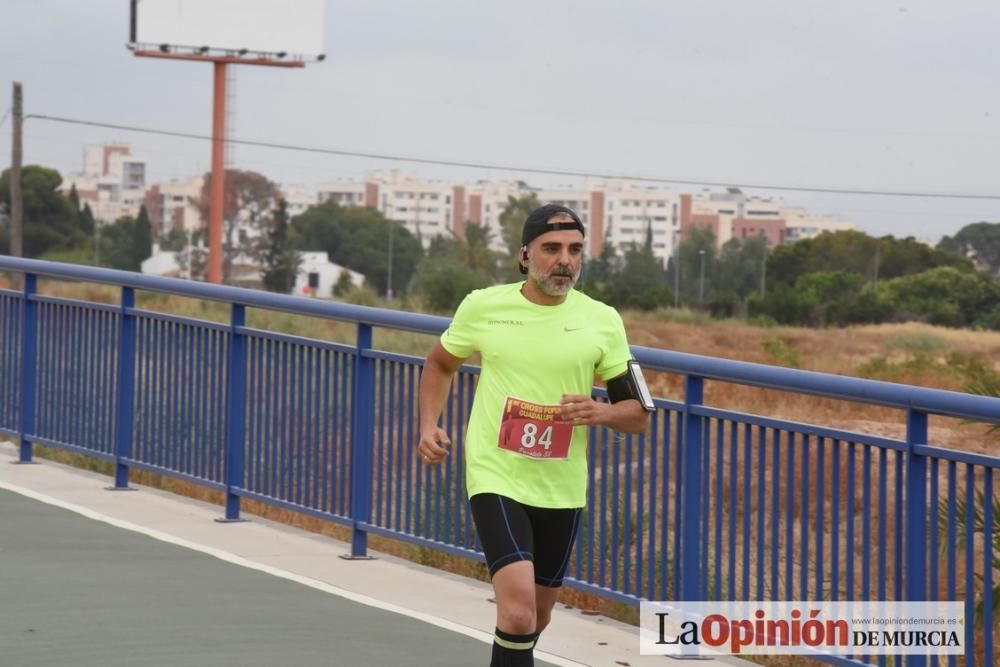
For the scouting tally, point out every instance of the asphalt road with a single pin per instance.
(75, 591)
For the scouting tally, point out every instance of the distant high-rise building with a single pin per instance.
(297, 199)
(803, 224)
(626, 213)
(618, 212)
(732, 214)
(173, 205)
(423, 207)
(112, 182)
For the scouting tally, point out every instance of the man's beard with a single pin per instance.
(550, 286)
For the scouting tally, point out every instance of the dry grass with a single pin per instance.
(839, 351)
(836, 351)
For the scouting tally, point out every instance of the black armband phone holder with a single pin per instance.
(631, 386)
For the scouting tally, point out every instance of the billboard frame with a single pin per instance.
(220, 59)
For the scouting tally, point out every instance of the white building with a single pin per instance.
(483, 203)
(803, 224)
(318, 275)
(423, 207)
(297, 199)
(164, 263)
(619, 212)
(112, 182)
(733, 215)
(343, 193)
(733, 209)
(626, 211)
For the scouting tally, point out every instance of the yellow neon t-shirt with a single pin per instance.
(532, 355)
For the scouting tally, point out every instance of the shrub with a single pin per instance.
(781, 353)
(443, 285)
(990, 320)
(763, 321)
(917, 342)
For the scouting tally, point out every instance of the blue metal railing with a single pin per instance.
(708, 504)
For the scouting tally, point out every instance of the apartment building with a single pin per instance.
(624, 212)
(618, 212)
(732, 214)
(803, 224)
(174, 205)
(297, 199)
(425, 208)
(112, 182)
(344, 193)
(484, 202)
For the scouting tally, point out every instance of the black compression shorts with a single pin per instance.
(510, 532)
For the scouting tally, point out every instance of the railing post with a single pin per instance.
(362, 438)
(915, 509)
(29, 335)
(236, 390)
(692, 586)
(126, 388)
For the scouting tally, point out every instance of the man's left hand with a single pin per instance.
(581, 410)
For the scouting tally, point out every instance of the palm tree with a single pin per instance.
(982, 380)
(474, 250)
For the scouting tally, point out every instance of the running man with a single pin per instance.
(541, 344)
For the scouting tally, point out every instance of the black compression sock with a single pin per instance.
(513, 650)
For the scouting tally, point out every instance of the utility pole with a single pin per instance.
(217, 192)
(387, 212)
(388, 279)
(16, 197)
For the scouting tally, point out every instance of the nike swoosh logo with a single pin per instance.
(567, 329)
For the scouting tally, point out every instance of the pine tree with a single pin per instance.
(281, 262)
(74, 197)
(86, 220)
(142, 238)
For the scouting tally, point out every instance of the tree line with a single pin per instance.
(58, 229)
(834, 279)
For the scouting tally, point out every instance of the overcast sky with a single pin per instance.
(857, 94)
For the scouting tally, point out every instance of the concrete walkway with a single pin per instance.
(91, 577)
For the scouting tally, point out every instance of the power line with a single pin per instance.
(522, 169)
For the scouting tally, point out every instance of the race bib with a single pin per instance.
(534, 430)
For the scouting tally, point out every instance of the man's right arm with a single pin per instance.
(435, 382)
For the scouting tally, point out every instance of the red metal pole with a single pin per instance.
(217, 196)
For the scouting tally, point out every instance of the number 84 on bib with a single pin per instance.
(533, 430)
